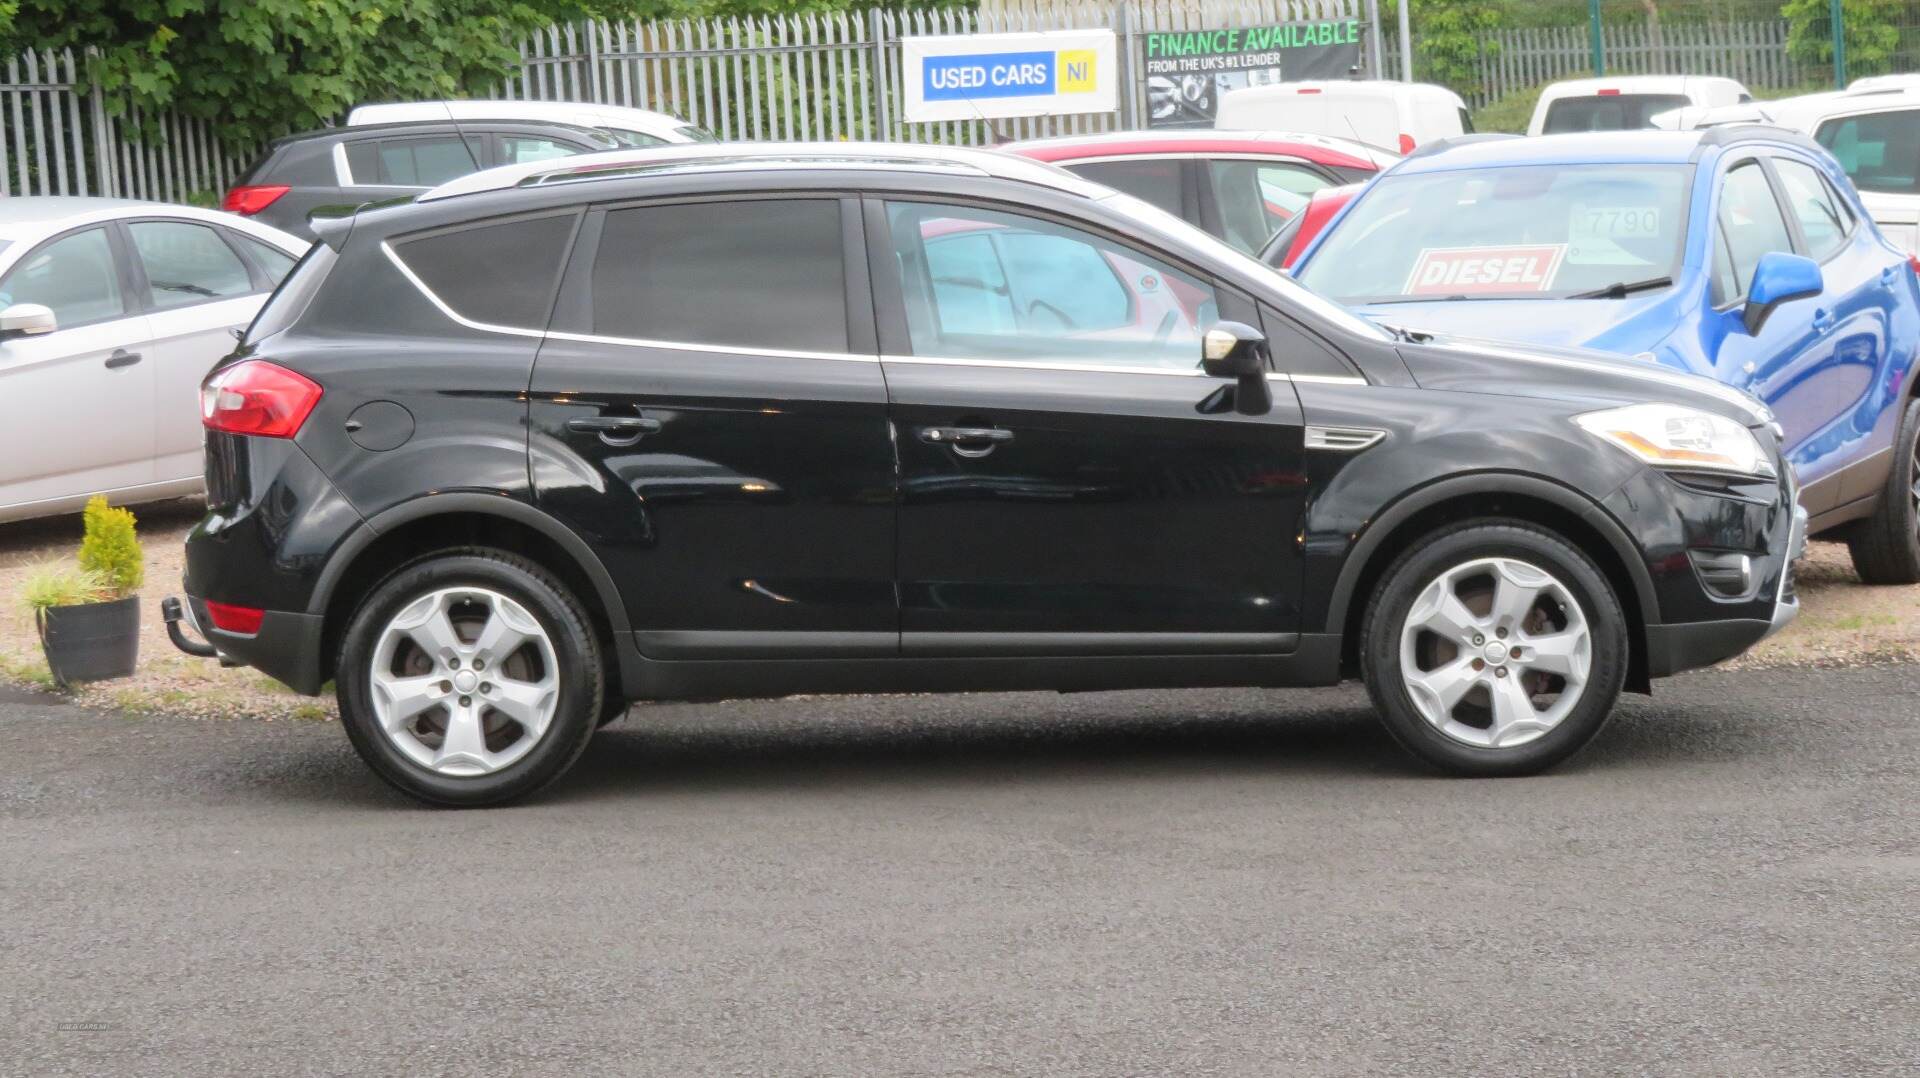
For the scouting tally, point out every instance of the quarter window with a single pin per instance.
(980, 284)
(1879, 151)
(187, 263)
(1751, 225)
(500, 273)
(1809, 199)
(74, 276)
(272, 261)
(517, 149)
(753, 274)
(412, 162)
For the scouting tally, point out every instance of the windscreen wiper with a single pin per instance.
(1402, 333)
(1620, 289)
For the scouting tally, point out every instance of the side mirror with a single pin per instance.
(1779, 278)
(1239, 351)
(26, 320)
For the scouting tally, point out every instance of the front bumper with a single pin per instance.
(1674, 648)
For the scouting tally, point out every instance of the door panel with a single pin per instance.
(745, 508)
(78, 425)
(1069, 481)
(186, 343)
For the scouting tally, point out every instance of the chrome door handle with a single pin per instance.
(615, 429)
(966, 441)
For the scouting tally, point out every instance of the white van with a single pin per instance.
(629, 127)
(1390, 115)
(1872, 127)
(1627, 103)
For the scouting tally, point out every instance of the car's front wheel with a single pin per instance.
(1886, 545)
(1494, 648)
(470, 677)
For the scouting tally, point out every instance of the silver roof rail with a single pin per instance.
(614, 164)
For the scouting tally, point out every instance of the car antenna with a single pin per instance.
(447, 107)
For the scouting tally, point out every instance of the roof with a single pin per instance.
(719, 156)
(1596, 147)
(1319, 149)
(1337, 87)
(1640, 84)
(1800, 113)
(443, 123)
(481, 109)
(40, 209)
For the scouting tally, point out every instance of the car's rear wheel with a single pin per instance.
(1886, 545)
(1494, 648)
(470, 678)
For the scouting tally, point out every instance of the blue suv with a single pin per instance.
(1740, 253)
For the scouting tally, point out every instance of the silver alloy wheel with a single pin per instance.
(464, 681)
(1495, 652)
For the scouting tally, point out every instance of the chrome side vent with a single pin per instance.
(1343, 439)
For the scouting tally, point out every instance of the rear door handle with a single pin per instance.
(962, 435)
(1887, 275)
(615, 429)
(122, 358)
(1822, 320)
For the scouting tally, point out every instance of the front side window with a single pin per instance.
(1879, 151)
(1155, 181)
(981, 284)
(1611, 112)
(1750, 225)
(73, 275)
(410, 162)
(1812, 202)
(1256, 197)
(766, 274)
(1520, 232)
(500, 273)
(187, 263)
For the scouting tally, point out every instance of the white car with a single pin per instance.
(629, 127)
(111, 312)
(1394, 116)
(1627, 103)
(1872, 127)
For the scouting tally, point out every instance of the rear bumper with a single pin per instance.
(1674, 648)
(287, 647)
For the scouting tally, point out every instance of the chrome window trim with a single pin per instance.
(1063, 364)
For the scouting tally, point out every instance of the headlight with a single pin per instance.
(1671, 436)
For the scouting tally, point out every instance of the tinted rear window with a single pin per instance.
(308, 163)
(1149, 180)
(411, 162)
(761, 274)
(1612, 112)
(502, 274)
(1879, 152)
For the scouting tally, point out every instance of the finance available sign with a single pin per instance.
(988, 76)
(1188, 70)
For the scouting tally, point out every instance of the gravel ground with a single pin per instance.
(1842, 622)
(1192, 884)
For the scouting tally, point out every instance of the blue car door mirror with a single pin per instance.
(1779, 278)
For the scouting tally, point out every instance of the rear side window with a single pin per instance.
(1612, 112)
(410, 162)
(1810, 200)
(754, 274)
(1155, 182)
(187, 263)
(501, 274)
(305, 163)
(1879, 152)
(1257, 197)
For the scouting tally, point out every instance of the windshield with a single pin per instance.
(1528, 232)
(1248, 264)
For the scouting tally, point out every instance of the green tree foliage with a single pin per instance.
(109, 549)
(266, 67)
(1450, 37)
(1871, 27)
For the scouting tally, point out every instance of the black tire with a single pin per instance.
(582, 678)
(1886, 545)
(1414, 570)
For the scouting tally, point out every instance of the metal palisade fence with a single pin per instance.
(1753, 52)
(57, 139)
(839, 76)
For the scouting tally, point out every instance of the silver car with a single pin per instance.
(111, 313)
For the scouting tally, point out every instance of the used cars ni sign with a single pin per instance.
(758, 421)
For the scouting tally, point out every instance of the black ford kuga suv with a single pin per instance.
(750, 421)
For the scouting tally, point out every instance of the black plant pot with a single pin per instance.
(92, 641)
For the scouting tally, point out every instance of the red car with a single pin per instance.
(1241, 186)
(1294, 237)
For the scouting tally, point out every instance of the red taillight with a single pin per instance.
(228, 618)
(249, 200)
(1913, 261)
(1406, 143)
(259, 398)
(1608, 93)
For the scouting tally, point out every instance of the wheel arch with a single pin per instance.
(1550, 505)
(445, 521)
